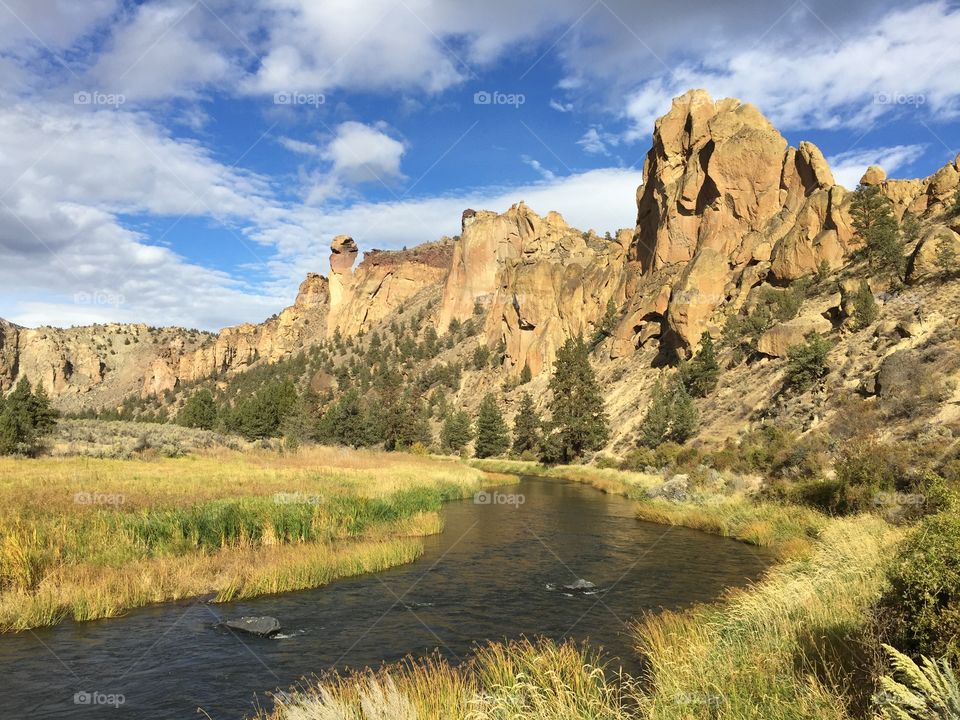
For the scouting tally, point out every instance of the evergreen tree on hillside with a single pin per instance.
(344, 422)
(493, 437)
(955, 208)
(701, 374)
(526, 375)
(578, 419)
(392, 414)
(606, 326)
(25, 417)
(200, 411)
(875, 224)
(456, 433)
(865, 310)
(671, 416)
(261, 414)
(947, 257)
(526, 426)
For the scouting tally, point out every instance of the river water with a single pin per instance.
(499, 570)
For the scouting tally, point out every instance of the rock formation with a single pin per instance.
(726, 206)
(537, 280)
(381, 283)
(723, 191)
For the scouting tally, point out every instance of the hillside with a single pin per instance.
(738, 235)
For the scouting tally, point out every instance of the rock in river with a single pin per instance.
(262, 626)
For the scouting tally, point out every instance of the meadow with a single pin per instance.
(89, 538)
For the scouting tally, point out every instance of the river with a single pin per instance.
(499, 570)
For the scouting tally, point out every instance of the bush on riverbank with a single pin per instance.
(919, 613)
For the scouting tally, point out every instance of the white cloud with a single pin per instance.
(597, 142)
(162, 51)
(561, 106)
(848, 167)
(905, 61)
(362, 153)
(543, 172)
(69, 174)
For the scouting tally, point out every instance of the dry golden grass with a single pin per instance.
(234, 524)
(786, 648)
(530, 680)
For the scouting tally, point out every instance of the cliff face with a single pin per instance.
(538, 281)
(381, 283)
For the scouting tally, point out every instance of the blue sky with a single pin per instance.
(187, 162)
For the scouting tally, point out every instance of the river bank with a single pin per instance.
(86, 538)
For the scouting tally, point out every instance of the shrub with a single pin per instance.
(865, 310)
(807, 362)
(920, 612)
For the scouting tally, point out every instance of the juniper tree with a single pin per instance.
(874, 222)
(701, 374)
(671, 416)
(526, 426)
(526, 375)
(493, 437)
(578, 418)
(200, 411)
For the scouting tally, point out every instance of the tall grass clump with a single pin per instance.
(789, 648)
(539, 680)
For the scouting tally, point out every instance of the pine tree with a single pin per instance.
(493, 436)
(955, 208)
(671, 417)
(200, 411)
(700, 375)
(456, 433)
(874, 222)
(526, 375)
(344, 422)
(578, 418)
(526, 426)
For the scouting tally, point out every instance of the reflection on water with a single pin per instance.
(568, 561)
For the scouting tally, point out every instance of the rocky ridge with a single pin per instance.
(727, 208)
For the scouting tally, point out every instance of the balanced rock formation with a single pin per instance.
(538, 280)
(381, 283)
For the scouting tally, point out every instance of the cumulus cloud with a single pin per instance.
(163, 50)
(70, 176)
(848, 167)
